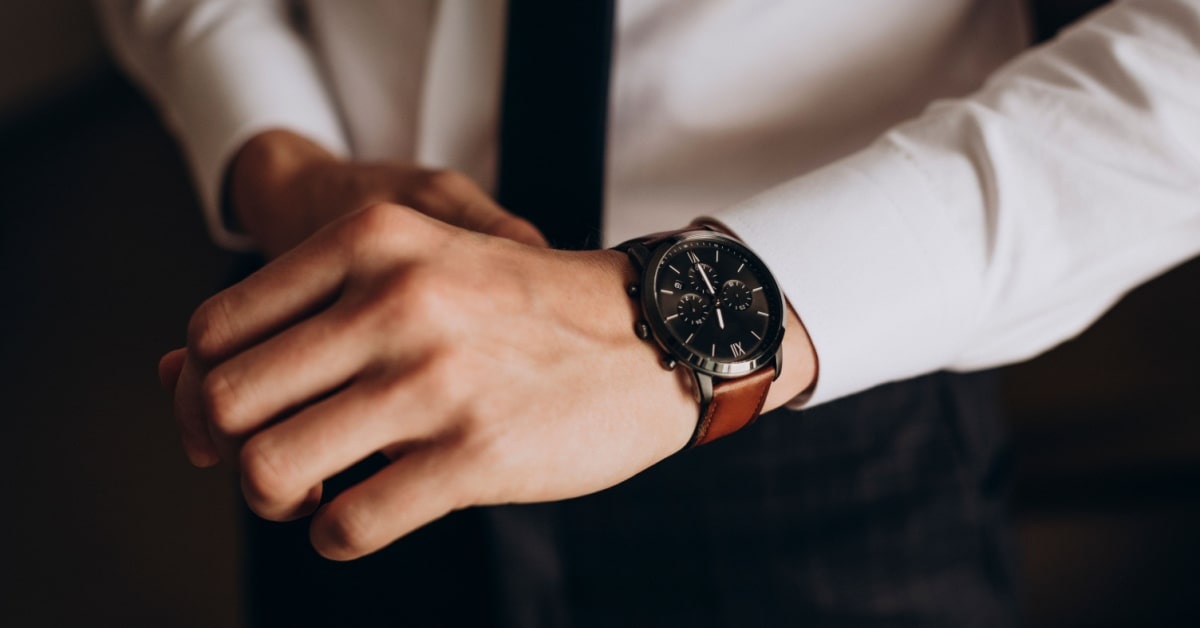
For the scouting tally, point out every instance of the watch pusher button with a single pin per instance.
(669, 363)
(642, 329)
(633, 290)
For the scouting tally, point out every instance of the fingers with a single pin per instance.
(169, 367)
(517, 229)
(197, 441)
(295, 284)
(419, 487)
(232, 380)
(454, 198)
(284, 464)
(301, 363)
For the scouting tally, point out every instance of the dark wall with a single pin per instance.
(103, 258)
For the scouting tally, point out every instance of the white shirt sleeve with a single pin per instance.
(222, 71)
(994, 227)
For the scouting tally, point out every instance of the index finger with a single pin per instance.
(290, 287)
(300, 281)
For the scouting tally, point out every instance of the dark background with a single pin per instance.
(104, 257)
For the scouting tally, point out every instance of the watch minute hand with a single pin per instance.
(704, 276)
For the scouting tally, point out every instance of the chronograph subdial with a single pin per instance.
(714, 303)
(693, 308)
(697, 275)
(735, 295)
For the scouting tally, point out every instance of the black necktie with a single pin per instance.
(554, 116)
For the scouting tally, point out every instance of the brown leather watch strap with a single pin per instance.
(735, 404)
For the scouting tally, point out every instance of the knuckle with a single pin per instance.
(378, 214)
(221, 402)
(417, 297)
(210, 332)
(444, 190)
(445, 182)
(373, 222)
(266, 478)
(348, 530)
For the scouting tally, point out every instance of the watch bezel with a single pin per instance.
(674, 347)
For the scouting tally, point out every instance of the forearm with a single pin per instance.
(994, 227)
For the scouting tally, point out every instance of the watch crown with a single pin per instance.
(633, 290)
(642, 329)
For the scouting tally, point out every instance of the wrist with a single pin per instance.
(266, 188)
(670, 400)
(800, 368)
(714, 309)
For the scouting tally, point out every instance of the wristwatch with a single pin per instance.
(713, 307)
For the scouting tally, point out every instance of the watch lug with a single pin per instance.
(777, 361)
(640, 255)
(704, 390)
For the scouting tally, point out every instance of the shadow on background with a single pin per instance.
(104, 258)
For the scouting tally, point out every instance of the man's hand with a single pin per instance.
(489, 371)
(283, 188)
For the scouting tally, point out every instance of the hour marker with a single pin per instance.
(741, 267)
(693, 257)
(717, 253)
(673, 268)
(713, 352)
(672, 317)
(761, 313)
(665, 291)
(737, 350)
(689, 338)
(756, 336)
(756, 289)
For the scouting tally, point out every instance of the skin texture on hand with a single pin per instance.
(489, 371)
(283, 188)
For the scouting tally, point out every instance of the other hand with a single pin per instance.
(283, 188)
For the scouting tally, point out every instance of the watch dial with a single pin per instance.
(717, 300)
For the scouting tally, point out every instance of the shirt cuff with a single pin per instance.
(230, 87)
(866, 256)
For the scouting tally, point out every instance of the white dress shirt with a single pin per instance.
(927, 196)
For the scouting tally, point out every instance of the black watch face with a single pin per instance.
(717, 301)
